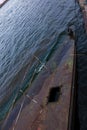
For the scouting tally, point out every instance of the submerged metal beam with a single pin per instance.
(2, 2)
(83, 5)
(49, 102)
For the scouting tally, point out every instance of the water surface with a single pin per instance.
(31, 28)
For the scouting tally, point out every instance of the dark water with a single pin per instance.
(81, 44)
(35, 27)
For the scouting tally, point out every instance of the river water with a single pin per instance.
(30, 28)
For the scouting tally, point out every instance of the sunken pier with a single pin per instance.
(49, 104)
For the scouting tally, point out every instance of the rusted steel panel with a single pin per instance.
(51, 105)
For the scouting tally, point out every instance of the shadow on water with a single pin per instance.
(81, 74)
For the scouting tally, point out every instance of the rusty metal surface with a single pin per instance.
(39, 113)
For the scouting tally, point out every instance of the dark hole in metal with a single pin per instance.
(54, 94)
